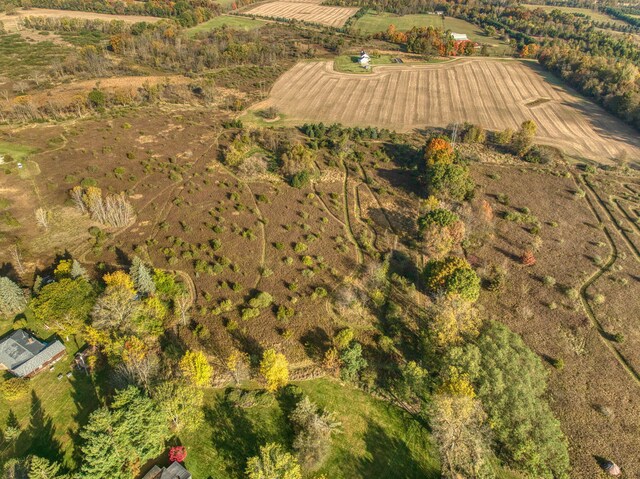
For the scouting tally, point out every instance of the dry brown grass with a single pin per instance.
(492, 93)
(306, 11)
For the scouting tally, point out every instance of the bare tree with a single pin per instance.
(16, 255)
(182, 305)
(42, 217)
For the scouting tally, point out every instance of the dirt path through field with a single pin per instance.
(495, 94)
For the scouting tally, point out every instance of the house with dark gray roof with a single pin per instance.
(174, 471)
(24, 356)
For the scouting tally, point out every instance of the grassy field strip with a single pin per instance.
(347, 218)
(231, 21)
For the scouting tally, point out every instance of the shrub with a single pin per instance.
(343, 339)
(527, 258)
(261, 300)
(549, 281)
(14, 388)
(250, 313)
(352, 362)
(284, 313)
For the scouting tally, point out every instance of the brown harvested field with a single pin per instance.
(493, 93)
(304, 11)
(12, 22)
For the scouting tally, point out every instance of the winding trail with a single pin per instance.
(613, 256)
(347, 216)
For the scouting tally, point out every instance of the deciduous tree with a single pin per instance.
(274, 368)
(273, 462)
(196, 369)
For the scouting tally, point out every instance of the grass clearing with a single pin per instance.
(15, 152)
(378, 439)
(374, 22)
(593, 14)
(230, 21)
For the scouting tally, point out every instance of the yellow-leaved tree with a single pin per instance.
(196, 369)
(274, 368)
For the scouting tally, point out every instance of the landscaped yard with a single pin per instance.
(231, 21)
(374, 22)
(378, 439)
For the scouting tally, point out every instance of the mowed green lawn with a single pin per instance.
(15, 151)
(231, 21)
(595, 15)
(378, 440)
(374, 22)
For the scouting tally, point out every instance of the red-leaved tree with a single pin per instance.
(177, 454)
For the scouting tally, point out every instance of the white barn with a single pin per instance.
(459, 37)
(364, 59)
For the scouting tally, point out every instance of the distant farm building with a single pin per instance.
(174, 471)
(459, 37)
(24, 356)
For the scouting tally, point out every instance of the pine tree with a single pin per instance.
(142, 278)
(12, 300)
(116, 440)
(77, 270)
(40, 468)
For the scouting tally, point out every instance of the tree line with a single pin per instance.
(186, 12)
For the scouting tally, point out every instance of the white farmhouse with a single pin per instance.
(364, 59)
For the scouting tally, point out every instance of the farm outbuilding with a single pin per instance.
(459, 37)
(364, 59)
(24, 356)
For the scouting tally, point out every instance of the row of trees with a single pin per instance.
(428, 41)
(612, 83)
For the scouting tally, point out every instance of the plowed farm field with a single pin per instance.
(492, 93)
(306, 11)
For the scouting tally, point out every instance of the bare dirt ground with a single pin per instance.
(12, 22)
(304, 11)
(492, 93)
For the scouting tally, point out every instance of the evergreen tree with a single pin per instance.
(12, 300)
(142, 277)
(77, 270)
(131, 432)
(40, 468)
